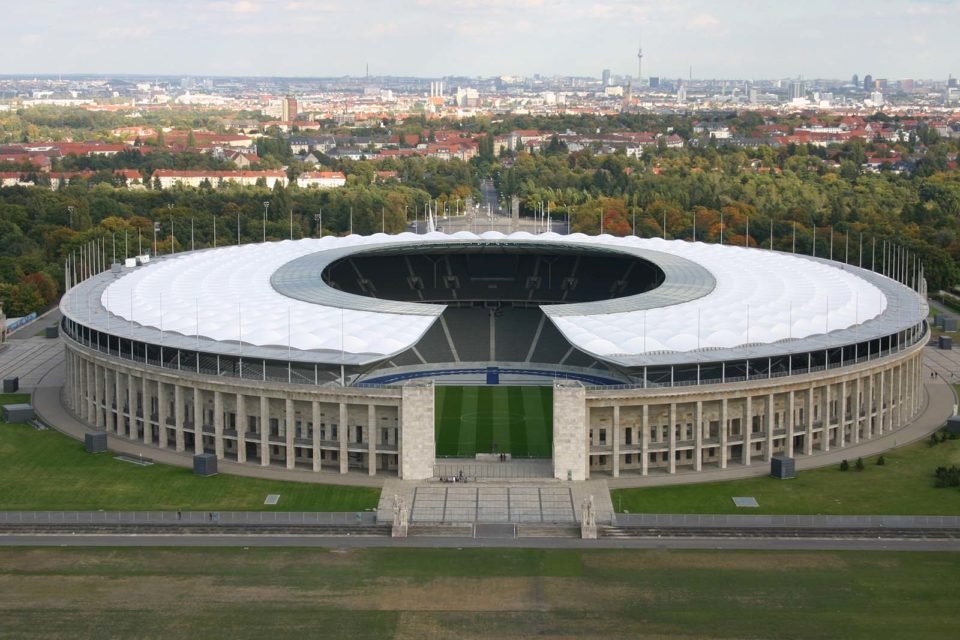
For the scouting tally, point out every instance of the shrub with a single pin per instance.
(947, 477)
(859, 465)
(844, 465)
(933, 441)
(881, 461)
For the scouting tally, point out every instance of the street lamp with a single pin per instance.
(318, 218)
(70, 210)
(266, 206)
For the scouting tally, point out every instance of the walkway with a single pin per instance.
(545, 502)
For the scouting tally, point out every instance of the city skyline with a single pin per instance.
(434, 38)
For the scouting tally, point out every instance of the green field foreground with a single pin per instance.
(507, 594)
(46, 470)
(903, 486)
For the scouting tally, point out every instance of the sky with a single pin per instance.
(735, 39)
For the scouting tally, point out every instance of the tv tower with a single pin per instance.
(639, 63)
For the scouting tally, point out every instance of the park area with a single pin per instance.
(46, 470)
(494, 419)
(475, 593)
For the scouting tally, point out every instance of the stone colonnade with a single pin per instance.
(270, 424)
(391, 430)
(693, 428)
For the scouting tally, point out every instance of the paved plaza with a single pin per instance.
(31, 359)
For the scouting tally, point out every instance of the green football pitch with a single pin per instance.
(471, 420)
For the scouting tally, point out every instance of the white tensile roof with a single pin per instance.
(760, 297)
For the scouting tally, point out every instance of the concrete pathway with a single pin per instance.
(487, 501)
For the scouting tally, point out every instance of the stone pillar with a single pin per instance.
(698, 437)
(723, 433)
(372, 439)
(644, 440)
(109, 400)
(747, 427)
(808, 415)
(218, 424)
(242, 421)
(790, 415)
(315, 410)
(146, 408)
(344, 435)
(570, 433)
(417, 446)
(870, 419)
(673, 438)
(771, 410)
(825, 417)
(99, 403)
(178, 416)
(198, 416)
(895, 397)
(264, 431)
(857, 421)
(120, 380)
(132, 405)
(290, 418)
(163, 399)
(86, 403)
(842, 422)
(881, 398)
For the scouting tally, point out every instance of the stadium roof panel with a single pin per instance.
(749, 301)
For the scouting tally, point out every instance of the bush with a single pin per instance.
(933, 441)
(943, 436)
(881, 461)
(944, 477)
(844, 466)
(859, 465)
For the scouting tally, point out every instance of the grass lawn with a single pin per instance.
(476, 593)
(471, 419)
(14, 398)
(903, 486)
(46, 470)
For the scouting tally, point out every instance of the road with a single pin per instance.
(213, 540)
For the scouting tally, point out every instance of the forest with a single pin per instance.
(794, 193)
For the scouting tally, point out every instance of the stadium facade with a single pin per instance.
(323, 354)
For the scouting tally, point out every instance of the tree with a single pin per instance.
(844, 465)
(881, 461)
(859, 464)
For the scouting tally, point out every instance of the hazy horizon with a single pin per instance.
(433, 38)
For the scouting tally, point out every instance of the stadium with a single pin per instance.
(565, 356)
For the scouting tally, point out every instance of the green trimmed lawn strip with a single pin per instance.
(46, 470)
(903, 486)
(14, 398)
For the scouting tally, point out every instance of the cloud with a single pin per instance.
(239, 6)
(704, 21)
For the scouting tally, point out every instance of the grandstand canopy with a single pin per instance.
(691, 298)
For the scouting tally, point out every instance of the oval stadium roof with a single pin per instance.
(724, 297)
